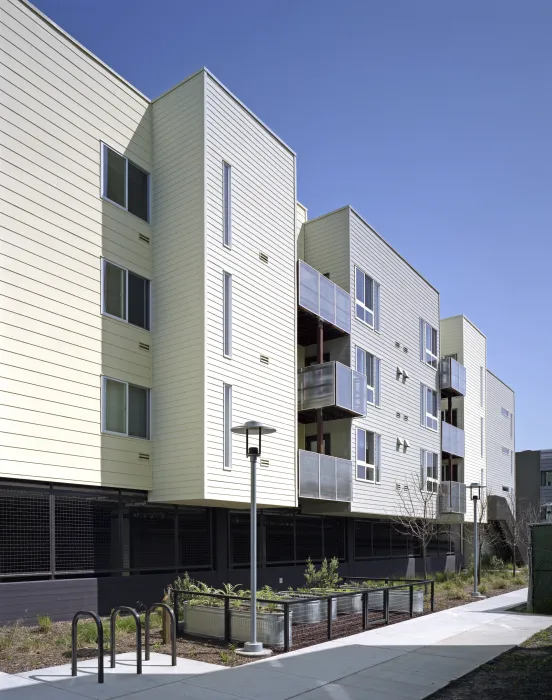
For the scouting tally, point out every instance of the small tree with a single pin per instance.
(418, 513)
(517, 533)
(485, 534)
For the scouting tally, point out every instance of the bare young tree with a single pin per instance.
(517, 532)
(418, 513)
(486, 536)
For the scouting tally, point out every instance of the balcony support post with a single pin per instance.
(319, 414)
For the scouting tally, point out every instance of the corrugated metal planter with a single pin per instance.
(347, 605)
(399, 601)
(311, 612)
(207, 621)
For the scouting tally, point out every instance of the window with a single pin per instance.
(371, 367)
(367, 294)
(124, 183)
(227, 204)
(451, 472)
(511, 425)
(445, 417)
(311, 444)
(453, 355)
(505, 412)
(482, 386)
(125, 296)
(227, 427)
(429, 344)
(227, 314)
(506, 489)
(506, 451)
(429, 408)
(430, 471)
(368, 451)
(546, 478)
(125, 409)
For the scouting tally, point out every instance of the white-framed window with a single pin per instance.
(227, 314)
(371, 367)
(505, 412)
(226, 204)
(429, 470)
(482, 437)
(124, 183)
(227, 426)
(506, 451)
(429, 407)
(367, 299)
(482, 386)
(511, 425)
(125, 409)
(368, 455)
(429, 344)
(125, 295)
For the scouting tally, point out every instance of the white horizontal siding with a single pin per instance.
(500, 434)
(263, 220)
(178, 307)
(58, 106)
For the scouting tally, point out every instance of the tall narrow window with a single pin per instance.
(125, 408)
(227, 313)
(430, 471)
(482, 386)
(368, 455)
(227, 204)
(429, 408)
(124, 183)
(482, 437)
(367, 294)
(227, 426)
(371, 367)
(429, 344)
(126, 296)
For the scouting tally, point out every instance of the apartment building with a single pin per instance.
(534, 482)
(161, 283)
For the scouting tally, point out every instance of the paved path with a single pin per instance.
(406, 661)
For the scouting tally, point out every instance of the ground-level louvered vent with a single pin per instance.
(143, 455)
(264, 359)
(265, 462)
(143, 346)
(143, 238)
(263, 257)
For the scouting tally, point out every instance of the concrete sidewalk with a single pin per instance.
(409, 660)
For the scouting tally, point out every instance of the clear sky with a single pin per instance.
(432, 118)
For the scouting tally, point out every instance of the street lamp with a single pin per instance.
(256, 429)
(475, 494)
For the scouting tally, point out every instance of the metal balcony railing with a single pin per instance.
(452, 377)
(452, 497)
(452, 440)
(324, 477)
(332, 386)
(322, 297)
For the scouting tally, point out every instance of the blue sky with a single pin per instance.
(431, 118)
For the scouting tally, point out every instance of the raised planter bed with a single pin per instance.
(311, 612)
(347, 605)
(207, 621)
(399, 600)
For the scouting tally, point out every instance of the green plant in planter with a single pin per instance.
(326, 578)
(266, 593)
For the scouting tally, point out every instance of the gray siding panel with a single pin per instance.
(500, 436)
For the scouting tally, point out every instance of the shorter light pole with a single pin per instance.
(475, 493)
(253, 647)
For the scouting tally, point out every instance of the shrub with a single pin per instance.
(326, 577)
(44, 623)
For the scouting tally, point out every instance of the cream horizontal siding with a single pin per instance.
(263, 295)
(178, 315)
(500, 433)
(405, 298)
(58, 105)
(475, 357)
(327, 247)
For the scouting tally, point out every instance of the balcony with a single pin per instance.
(337, 389)
(452, 440)
(452, 498)
(320, 298)
(452, 377)
(325, 478)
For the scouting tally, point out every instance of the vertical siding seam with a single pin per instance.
(203, 232)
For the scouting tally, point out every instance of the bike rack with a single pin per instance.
(173, 629)
(99, 627)
(136, 617)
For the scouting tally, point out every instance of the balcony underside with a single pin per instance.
(328, 413)
(307, 328)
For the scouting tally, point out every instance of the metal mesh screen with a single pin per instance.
(309, 538)
(152, 537)
(86, 533)
(24, 531)
(334, 538)
(194, 538)
(279, 539)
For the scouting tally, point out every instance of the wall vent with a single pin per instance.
(265, 462)
(397, 344)
(398, 414)
(263, 257)
(143, 455)
(405, 349)
(405, 417)
(143, 238)
(144, 346)
(264, 359)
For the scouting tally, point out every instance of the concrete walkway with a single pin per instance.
(406, 661)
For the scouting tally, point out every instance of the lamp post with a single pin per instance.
(475, 494)
(256, 429)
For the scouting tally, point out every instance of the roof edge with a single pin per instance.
(82, 48)
(501, 380)
(449, 318)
